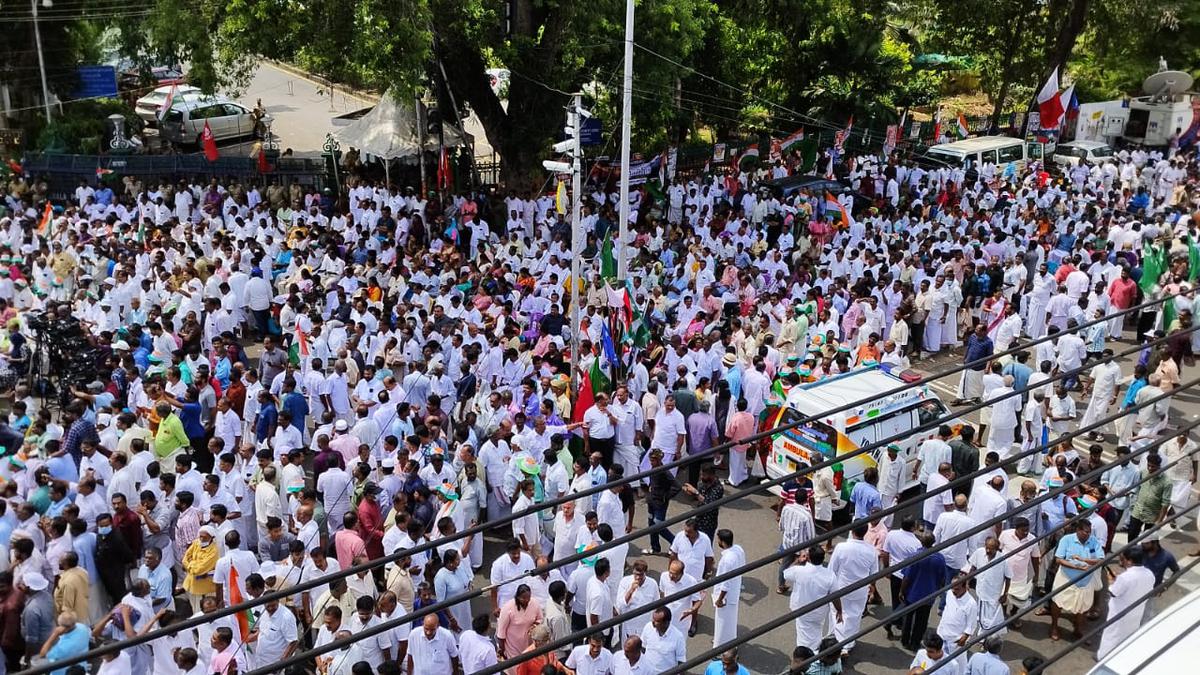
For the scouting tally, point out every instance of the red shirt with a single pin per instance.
(370, 527)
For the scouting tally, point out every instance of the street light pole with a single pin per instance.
(626, 111)
(37, 36)
(576, 233)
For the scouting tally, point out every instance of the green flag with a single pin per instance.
(1193, 260)
(639, 332)
(599, 379)
(1152, 267)
(608, 261)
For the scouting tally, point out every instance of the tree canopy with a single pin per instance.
(702, 66)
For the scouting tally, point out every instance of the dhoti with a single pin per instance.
(991, 614)
(852, 612)
(1097, 409)
(1001, 439)
(629, 456)
(810, 628)
(970, 385)
(1019, 592)
(725, 624)
(1181, 494)
(1073, 599)
(1036, 319)
(933, 334)
(738, 469)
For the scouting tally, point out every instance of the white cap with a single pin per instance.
(340, 425)
(34, 581)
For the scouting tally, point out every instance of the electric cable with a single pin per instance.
(1081, 479)
(1090, 569)
(1112, 618)
(428, 545)
(703, 584)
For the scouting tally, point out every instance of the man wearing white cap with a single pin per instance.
(37, 618)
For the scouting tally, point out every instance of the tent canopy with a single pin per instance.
(389, 131)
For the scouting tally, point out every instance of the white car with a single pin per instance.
(1069, 154)
(147, 107)
(184, 122)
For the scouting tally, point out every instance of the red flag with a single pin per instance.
(15, 166)
(443, 172)
(585, 399)
(1050, 107)
(210, 143)
(263, 165)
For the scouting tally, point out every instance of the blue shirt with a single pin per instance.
(865, 497)
(295, 404)
(189, 415)
(267, 418)
(977, 348)
(1159, 564)
(718, 668)
(924, 577)
(160, 582)
(84, 546)
(1069, 546)
(987, 664)
(71, 643)
(1020, 373)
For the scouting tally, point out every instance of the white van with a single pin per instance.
(1000, 151)
(1167, 643)
(837, 434)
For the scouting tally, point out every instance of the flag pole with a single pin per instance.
(576, 239)
(626, 112)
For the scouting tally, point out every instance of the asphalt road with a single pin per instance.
(753, 524)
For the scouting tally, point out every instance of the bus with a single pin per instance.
(972, 153)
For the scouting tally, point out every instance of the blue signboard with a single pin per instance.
(592, 130)
(97, 82)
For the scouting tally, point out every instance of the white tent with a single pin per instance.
(389, 131)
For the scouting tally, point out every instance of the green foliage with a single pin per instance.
(82, 127)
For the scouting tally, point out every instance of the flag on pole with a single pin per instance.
(1193, 260)
(961, 127)
(792, 141)
(638, 333)
(444, 178)
(298, 352)
(598, 379)
(937, 125)
(1152, 267)
(832, 205)
(748, 156)
(608, 261)
(585, 399)
(618, 303)
(47, 216)
(15, 166)
(166, 105)
(1069, 103)
(209, 142)
(1050, 107)
(560, 197)
(245, 619)
(606, 342)
(263, 165)
(101, 172)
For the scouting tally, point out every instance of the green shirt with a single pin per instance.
(170, 436)
(1152, 496)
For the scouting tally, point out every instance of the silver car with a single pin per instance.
(184, 122)
(147, 107)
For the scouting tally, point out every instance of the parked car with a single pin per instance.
(147, 107)
(816, 186)
(1069, 154)
(184, 122)
(131, 76)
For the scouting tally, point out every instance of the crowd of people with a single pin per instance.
(281, 385)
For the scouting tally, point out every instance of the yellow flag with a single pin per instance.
(560, 197)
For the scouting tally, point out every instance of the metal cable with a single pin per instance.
(1078, 480)
(704, 584)
(479, 529)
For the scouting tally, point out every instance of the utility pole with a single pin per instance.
(572, 147)
(626, 112)
(419, 107)
(37, 36)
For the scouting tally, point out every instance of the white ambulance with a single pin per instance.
(836, 434)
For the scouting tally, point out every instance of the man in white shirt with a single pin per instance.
(591, 658)
(952, 524)
(932, 453)
(507, 572)
(665, 644)
(475, 648)
(432, 649)
(811, 581)
(991, 585)
(852, 561)
(694, 549)
(275, 636)
(631, 660)
(234, 566)
(959, 619)
(727, 594)
(670, 432)
(636, 590)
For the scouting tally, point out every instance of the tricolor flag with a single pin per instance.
(47, 216)
(937, 125)
(101, 172)
(792, 141)
(244, 618)
(619, 303)
(1050, 106)
(961, 128)
(1069, 103)
(749, 155)
(298, 352)
(832, 205)
(166, 104)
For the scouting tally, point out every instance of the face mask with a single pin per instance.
(106, 530)
(206, 543)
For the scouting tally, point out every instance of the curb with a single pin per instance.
(361, 95)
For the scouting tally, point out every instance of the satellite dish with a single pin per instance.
(1167, 83)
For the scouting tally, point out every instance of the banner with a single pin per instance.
(776, 150)
(672, 162)
(914, 130)
(640, 171)
(893, 137)
(719, 152)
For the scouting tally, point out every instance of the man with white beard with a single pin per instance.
(852, 561)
